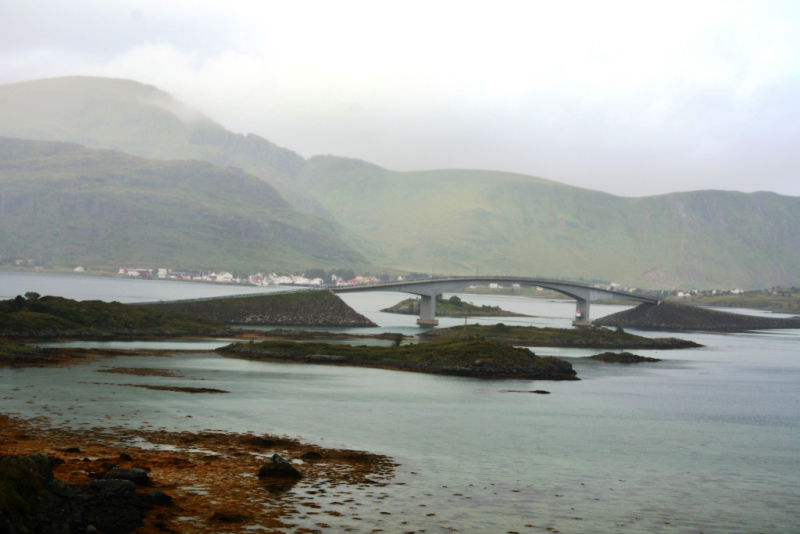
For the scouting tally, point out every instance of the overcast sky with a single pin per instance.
(633, 98)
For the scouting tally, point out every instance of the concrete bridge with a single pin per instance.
(427, 289)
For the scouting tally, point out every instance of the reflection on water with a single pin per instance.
(705, 441)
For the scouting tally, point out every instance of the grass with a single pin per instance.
(60, 316)
(469, 355)
(785, 301)
(454, 307)
(557, 337)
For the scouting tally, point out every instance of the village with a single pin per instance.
(257, 279)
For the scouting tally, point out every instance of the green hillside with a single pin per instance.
(141, 120)
(65, 205)
(457, 221)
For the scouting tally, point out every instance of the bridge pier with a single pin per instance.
(582, 312)
(427, 311)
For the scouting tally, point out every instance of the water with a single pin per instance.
(705, 441)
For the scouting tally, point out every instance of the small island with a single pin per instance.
(531, 336)
(459, 357)
(452, 307)
(621, 357)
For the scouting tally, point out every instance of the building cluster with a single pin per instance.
(257, 279)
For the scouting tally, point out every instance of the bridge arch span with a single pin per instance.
(427, 289)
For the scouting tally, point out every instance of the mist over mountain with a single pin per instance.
(447, 221)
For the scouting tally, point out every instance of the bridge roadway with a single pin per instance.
(427, 289)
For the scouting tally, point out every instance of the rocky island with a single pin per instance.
(471, 357)
(680, 317)
(531, 336)
(452, 307)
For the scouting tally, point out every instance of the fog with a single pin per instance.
(632, 98)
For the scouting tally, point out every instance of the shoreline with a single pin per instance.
(224, 464)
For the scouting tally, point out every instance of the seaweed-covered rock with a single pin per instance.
(134, 474)
(279, 467)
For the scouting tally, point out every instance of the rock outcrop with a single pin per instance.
(279, 467)
(301, 308)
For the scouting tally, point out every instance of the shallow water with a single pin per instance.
(705, 441)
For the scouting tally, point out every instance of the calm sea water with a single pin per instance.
(705, 441)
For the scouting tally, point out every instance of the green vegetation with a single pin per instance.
(478, 357)
(461, 220)
(452, 307)
(532, 336)
(66, 205)
(783, 300)
(57, 316)
(20, 487)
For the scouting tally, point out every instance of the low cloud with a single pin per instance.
(626, 97)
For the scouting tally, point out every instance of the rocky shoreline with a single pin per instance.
(60, 481)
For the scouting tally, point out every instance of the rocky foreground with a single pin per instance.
(680, 317)
(301, 308)
(59, 481)
(459, 357)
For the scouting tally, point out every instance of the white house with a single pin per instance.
(224, 277)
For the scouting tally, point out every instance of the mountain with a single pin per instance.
(65, 205)
(445, 221)
(463, 221)
(144, 121)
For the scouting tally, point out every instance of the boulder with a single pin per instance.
(158, 497)
(279, 467)
(311, 455)
(112, 485)
(134, 474)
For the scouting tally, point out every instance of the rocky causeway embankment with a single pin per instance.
(680, 317)
(306, 308)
